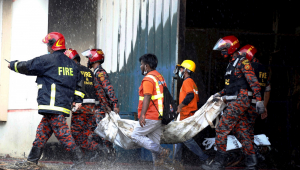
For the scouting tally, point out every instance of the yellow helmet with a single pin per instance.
(189, 64)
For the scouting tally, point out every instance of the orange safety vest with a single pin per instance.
(157, 97)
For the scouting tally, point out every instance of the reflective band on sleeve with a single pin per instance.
(16, 69)
(158, 96)
(56, 108)
(52, 96)
(39, 86)
(230, 97)
(88, 101)
(78, 93)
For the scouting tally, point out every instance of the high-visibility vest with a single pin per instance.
(154, 111)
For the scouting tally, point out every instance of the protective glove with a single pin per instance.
(260, 107)
(76, 107)
(216, 97)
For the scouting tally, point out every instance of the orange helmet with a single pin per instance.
(231, 43)
(248, 51)
(72, 54)
(55, 40)
(94, 55)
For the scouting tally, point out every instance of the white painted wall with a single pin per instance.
(1, 11)
(29, 27)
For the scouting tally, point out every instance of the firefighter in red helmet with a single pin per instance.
(59, 83)
(82, 119)
(104, 89)
(239, 77)
(249, 52)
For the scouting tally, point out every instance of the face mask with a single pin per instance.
(180, 74)
(145, 72)
(224, 54)
(48, 52)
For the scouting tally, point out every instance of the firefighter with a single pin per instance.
(239, 77)
(82, 119)
(148, 131)
(104, 90)
(249, 52)
(188, 99)
(59, 84)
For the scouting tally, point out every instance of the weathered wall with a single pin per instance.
(25, 24)
(128, 29)
(76, 20)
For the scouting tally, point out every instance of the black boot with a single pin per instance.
(33, 158)
(77, 159)
(259, 156)
(251, 162)
(216, 164)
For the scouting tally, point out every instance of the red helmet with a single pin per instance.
(229, 42)
(55, 40)
(248, 51)
(72, 54)
(94, 55)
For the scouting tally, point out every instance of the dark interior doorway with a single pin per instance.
(274, 30)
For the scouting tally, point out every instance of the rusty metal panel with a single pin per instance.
(127, 29)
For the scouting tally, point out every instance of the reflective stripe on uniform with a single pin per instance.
(56, 108)
(195, 91)
(153, 97)
(78, 93)
(88, 101)
(250, 93)
(52, 102)
(39, 86)
(52, 95)
(16, 69)
(157, 97)
(230, 97)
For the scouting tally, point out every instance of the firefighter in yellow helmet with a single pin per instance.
(188, 99)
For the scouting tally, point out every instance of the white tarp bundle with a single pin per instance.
(118, 131)
(233, 143)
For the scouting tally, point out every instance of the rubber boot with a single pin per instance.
(218, 163)
(77, 159)
(251, 162)
(259, 156)
(33, 158)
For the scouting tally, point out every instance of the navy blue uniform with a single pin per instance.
(59, 83)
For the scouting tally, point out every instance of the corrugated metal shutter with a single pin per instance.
(128, 29)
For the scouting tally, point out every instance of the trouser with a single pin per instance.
(148, 136)
(251, 116)
(82, 127)
(235, 120)
(57, 124)
(193, 146)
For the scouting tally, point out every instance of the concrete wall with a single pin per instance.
(25, 24)
(1, 11)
